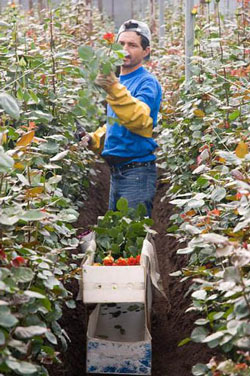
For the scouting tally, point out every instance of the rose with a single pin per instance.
(109, 37)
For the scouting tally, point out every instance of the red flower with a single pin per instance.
(121, 262)
(109, 37)
(138, 259)
(2, 254)
(108, 260)
(132, 261)
(18, 261)
(238, 196)
(43, 79)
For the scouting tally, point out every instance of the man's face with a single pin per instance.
(131, 43)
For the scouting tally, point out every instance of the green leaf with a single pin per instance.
(243, 343)
(201, 322)
(33, 96)
(118, 47)
(22, 274)
(9, 105)
(46, 303)
(213, 337)
(185, 251)
(106, 68)
(201, 181)
(232, 274)
(30, 331)
(4, 24)
(40, 115)
(199, 294)
(85, 53)
(23, 368)
(59, 156)
(51, 337)
(7, 320)
(33, 294)
(218, 194)
(184, 341)
(199, 369)
(68, 215)
(199, 334)
(241, 309)
(173, 228)
(195, 203)
(33, 215)
(234, 115)
(51, 282)
(2, 338)
(122, 205)
(71, 304)
(6, 162)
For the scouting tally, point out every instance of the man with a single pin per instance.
(127, 145)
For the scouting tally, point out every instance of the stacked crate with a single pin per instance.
(118, 335)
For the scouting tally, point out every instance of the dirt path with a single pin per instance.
(169, 323)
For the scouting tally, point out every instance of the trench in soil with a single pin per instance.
(169, 322)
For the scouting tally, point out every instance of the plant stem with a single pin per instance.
(52, 45)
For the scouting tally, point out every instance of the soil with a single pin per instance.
(170, 323)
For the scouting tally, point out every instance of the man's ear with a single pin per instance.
(146, 52)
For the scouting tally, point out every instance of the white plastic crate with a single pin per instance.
(103, 284)
(118, 340)
(118, 284)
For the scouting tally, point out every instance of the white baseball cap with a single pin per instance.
(138, 26)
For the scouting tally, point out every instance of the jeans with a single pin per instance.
(137, 185)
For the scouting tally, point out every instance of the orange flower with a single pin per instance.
(241, 366)
(109, 37)
(238, 196)
(194, 10)
(32, 125)
(215, 212)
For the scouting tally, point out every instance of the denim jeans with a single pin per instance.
(137, 185)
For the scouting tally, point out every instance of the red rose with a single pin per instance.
(132, 260)
(109, 37)
(108, 260)
(18, 261)
(2, 254)
(121, 262)
(138, 259)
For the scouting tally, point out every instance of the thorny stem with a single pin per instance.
(209, 20)
(220, 33)
(16, 58)
(244, 28)
(29, 180)
(244, 292)
(1, 182)
(52, 45)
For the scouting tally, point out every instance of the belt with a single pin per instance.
(131, 165)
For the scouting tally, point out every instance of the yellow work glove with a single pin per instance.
(106, 81)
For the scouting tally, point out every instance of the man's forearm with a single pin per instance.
(131, 112)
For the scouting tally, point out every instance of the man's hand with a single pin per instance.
(106, 81)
